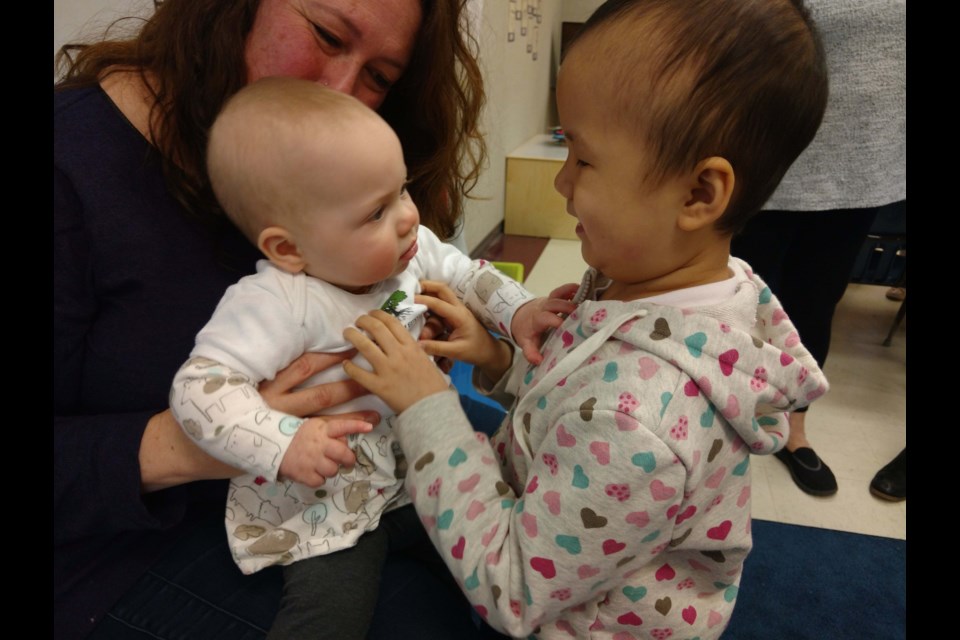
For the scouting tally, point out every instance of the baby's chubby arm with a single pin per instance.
(225, 415)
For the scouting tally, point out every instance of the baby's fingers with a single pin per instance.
(338, 454)
(340, 428)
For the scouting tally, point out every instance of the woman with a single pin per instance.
(142, 254)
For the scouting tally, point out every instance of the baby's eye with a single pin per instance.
(377, 215)
(581, 163)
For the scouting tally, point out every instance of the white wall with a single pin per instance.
(519, 98)
(73, 19)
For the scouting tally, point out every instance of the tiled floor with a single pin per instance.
(857, 428)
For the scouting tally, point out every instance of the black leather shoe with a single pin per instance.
(890, 483)
(808, 471)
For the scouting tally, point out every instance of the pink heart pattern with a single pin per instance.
(660, 491)
(552, 500)
(564, 438)
(600, 451)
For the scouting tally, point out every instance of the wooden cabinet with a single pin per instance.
(532, 206)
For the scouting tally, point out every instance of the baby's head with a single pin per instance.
(696, 89)
(316, 180)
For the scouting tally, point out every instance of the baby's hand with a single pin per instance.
(319, 449)
(538, 315)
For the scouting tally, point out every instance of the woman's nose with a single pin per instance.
(340, 74)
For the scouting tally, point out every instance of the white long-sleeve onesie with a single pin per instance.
(261, 325)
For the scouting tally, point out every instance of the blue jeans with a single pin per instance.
(196, 590)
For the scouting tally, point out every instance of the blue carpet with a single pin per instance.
(804, 583)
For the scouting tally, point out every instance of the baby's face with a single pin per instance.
(359, 224)
(627, 226)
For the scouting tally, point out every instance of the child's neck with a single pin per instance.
(704, 270)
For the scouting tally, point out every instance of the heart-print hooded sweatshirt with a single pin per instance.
(614, 501)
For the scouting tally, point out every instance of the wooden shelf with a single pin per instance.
(532, 206)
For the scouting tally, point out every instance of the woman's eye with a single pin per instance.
(380, 81)
(326, 36)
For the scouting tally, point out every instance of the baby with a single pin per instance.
(317, 181)
(614, 501)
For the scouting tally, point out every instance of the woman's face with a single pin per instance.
(358, 47)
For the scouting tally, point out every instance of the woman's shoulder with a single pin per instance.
(85, 121)
(78, 104)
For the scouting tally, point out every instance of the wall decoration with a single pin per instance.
(523, 24)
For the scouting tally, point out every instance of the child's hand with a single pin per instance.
(403, 373)
(467, 339)
(319, 449)
(536, 316)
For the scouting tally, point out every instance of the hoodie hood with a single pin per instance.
(744, 354)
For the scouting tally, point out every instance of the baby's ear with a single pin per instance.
(711, 186)
(278, 245)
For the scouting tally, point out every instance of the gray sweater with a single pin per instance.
(858, 158)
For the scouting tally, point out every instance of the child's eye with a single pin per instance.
(377, 215)
(581, 163)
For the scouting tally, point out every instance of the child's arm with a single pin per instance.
(225, 415)
(533, 318)
(467, 340)
(596, 502)
(502, 304)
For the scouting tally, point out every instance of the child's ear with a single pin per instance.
(278, 245)
(711, 186)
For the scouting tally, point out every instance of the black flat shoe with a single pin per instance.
(808, 471)
(890, 483)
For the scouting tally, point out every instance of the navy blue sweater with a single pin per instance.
(135, 278)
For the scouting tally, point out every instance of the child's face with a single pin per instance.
(627, 227)
(359, 225)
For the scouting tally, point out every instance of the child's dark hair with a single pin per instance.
(745, 80)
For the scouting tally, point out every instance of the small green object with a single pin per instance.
(511, 269)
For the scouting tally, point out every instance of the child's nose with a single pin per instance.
(409, 218)
(562, 182)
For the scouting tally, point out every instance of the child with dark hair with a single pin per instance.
(614, 501)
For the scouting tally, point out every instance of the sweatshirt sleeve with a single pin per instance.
(592, 507)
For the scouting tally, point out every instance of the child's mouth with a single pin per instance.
(409, 253)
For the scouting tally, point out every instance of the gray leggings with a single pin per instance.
(334, 595)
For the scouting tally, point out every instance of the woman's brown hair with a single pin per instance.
(193, 51)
